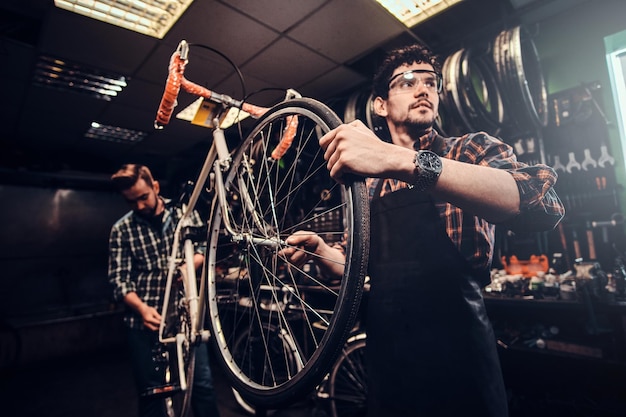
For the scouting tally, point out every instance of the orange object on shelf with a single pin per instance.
(527, 268)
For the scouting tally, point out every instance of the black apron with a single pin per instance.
(430, 347)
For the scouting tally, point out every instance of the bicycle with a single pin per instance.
(273, 183)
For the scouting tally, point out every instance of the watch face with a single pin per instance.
(430, 161)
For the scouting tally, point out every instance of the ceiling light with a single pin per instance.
(411, 12)
(150, 17)
(64, 75)
(114, 134)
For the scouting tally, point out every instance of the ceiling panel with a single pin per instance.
(345, 29)
(210, 23)
(278, 14)
(288, 64)
(333, 82)
(77, 38)
(324, 48)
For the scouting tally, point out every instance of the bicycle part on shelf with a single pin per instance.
(558, 166)
(572, 163)
(251, 289)
(605, 158)
(588, 161)
(520, 77)
(471, 94)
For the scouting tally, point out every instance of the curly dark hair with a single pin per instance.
(395, 58)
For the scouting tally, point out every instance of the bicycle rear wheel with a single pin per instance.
(347, 381)
(178, 402)
(251, 288)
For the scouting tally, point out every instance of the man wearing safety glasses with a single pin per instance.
(435, 200)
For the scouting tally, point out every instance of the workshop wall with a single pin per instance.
(572, 52)
(54, 263)
(582, 139)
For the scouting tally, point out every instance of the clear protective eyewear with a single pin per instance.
(406, 81)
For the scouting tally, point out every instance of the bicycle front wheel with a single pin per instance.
(251, 287)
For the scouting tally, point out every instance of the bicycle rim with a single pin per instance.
(250, 287)
(255, 356)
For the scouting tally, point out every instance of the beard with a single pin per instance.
(417, 126)
(148, 212)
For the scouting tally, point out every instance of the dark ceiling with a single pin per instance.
(322, 48)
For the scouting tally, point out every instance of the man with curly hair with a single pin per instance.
(435, 202)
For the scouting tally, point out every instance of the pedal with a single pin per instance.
(162, 391)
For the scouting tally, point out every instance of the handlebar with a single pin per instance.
(176, 80)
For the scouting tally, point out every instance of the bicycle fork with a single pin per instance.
(247, 200)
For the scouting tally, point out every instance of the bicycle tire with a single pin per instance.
(248, 282)
(347, 381)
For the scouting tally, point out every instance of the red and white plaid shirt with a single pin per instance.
(540, 207)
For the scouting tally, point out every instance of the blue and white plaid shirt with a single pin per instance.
(138, 258)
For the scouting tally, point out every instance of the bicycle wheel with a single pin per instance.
(180, 355)
(347, 382)
(251, 287)
(178, 404)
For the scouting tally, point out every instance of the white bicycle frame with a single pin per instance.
(218, 161)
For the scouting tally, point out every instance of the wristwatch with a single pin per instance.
(427, 170)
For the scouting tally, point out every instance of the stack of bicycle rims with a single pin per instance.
(471, 95)
(360, 105)
(495, 87)
(519, 73)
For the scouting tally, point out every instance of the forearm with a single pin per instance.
(330, 259)
(150, 315)
(133, 301)
(486, 192)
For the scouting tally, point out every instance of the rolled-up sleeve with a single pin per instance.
(541, 208)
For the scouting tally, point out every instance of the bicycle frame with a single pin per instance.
(274, 184)
(217, 161)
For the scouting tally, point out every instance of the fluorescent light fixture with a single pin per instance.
(411, 12)
(64, 75)
(114, 134)
(150, 17)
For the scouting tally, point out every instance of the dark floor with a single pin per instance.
(96, 385)
(100, 385)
